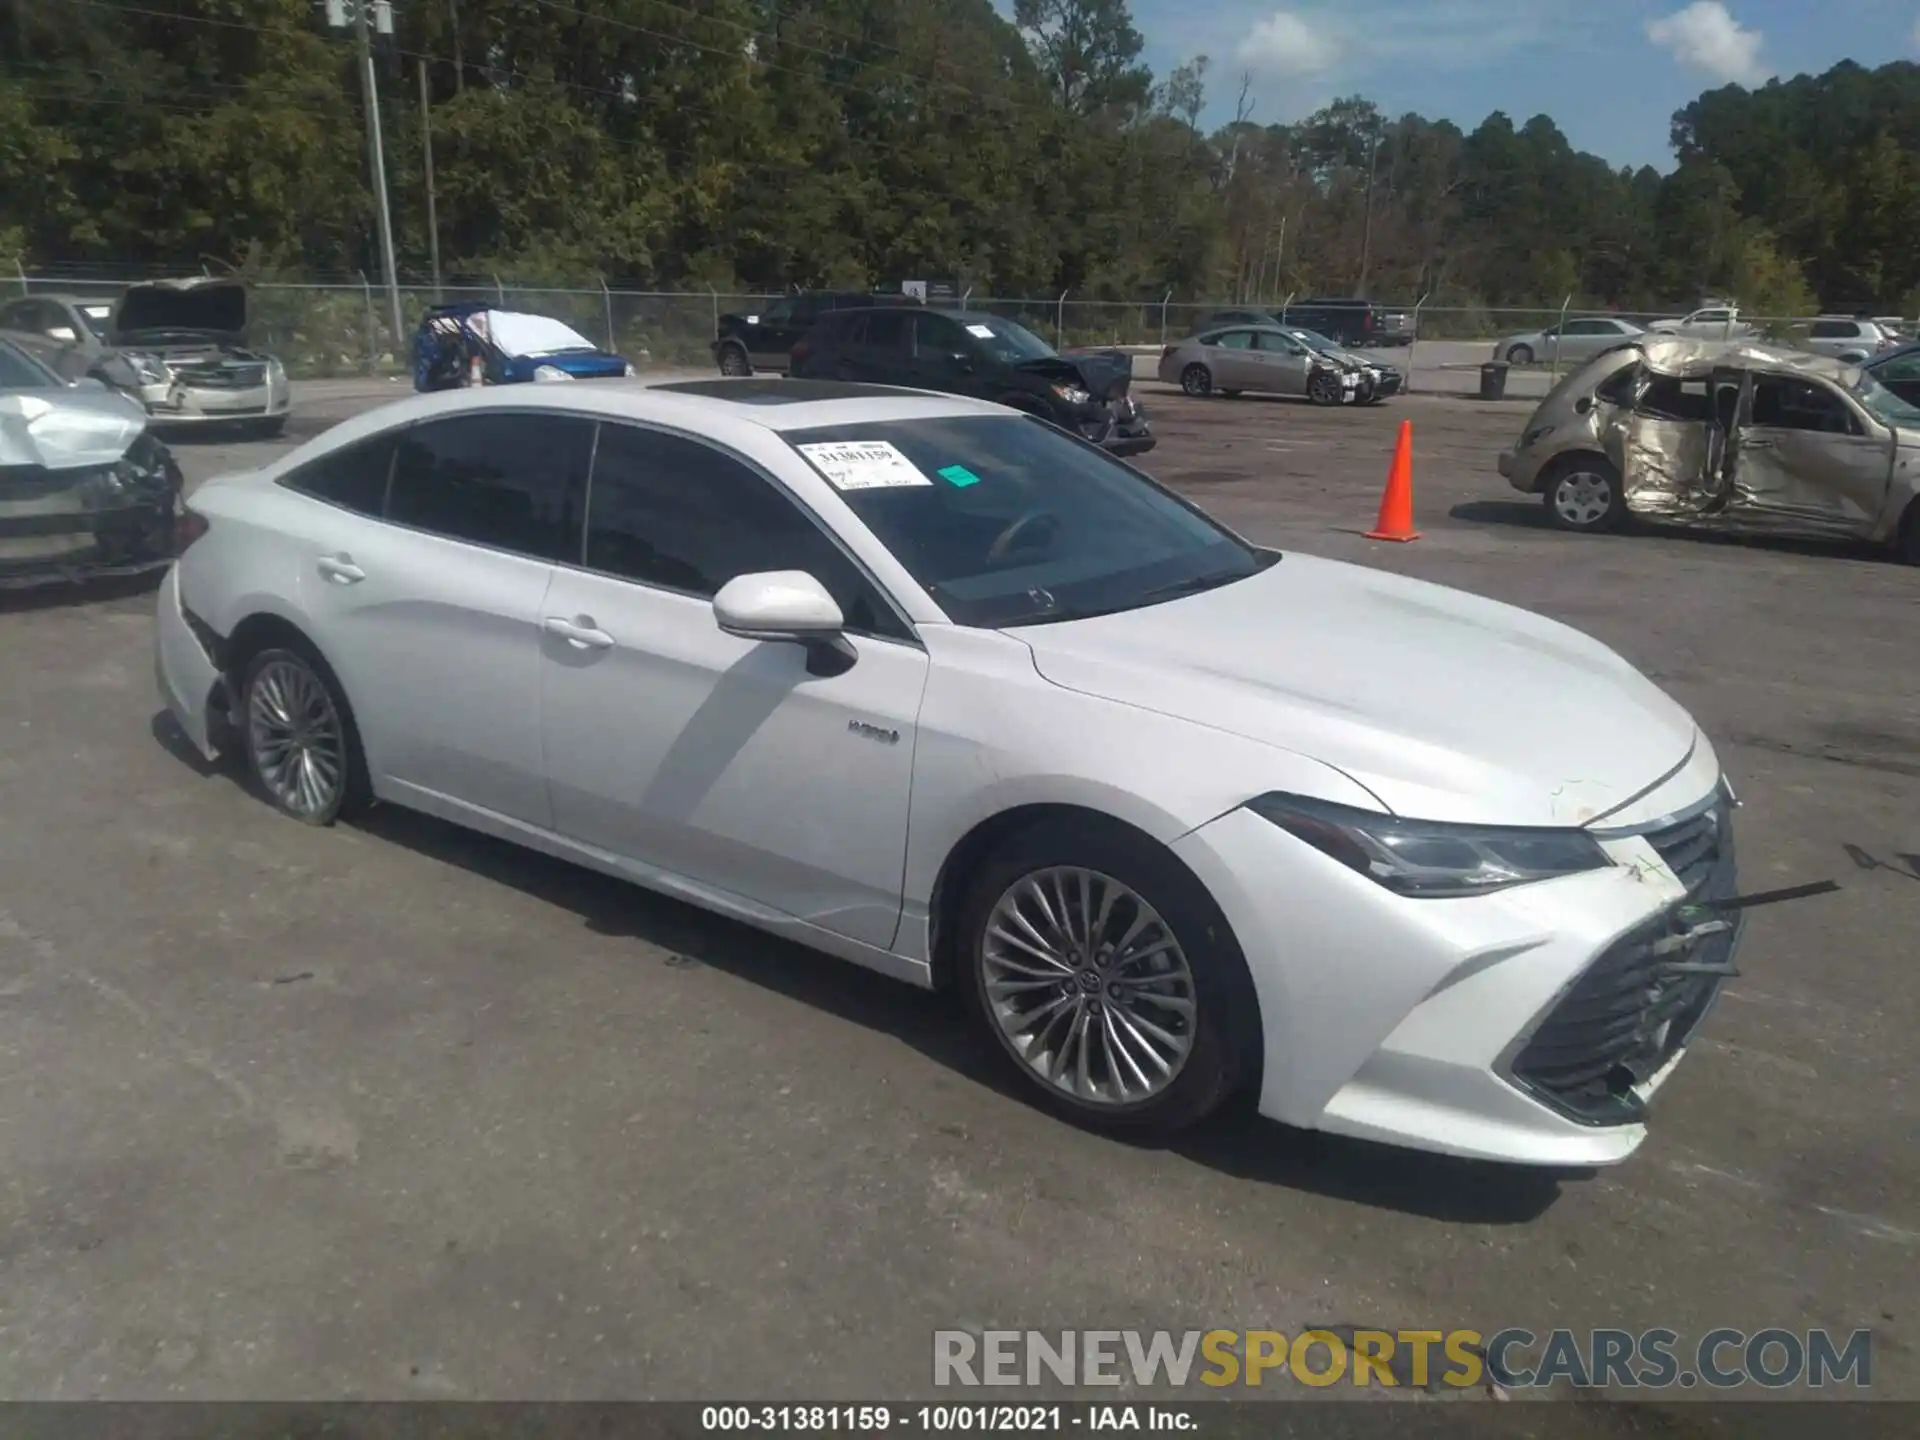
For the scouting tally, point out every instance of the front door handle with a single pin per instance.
(581, 633)
(340, 569)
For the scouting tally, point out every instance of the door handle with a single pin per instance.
(340, 569)
(582, 634)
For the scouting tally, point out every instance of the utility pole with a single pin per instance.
(426, 151)
(370, 96)
(1366, 225)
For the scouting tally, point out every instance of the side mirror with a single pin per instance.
(777, 605)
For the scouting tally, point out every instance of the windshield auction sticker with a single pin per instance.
(862, 465)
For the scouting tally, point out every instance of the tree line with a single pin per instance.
(767, 143)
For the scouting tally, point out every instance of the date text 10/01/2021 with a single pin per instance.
(944, 1419)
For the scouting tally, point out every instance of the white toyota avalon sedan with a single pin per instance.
(939, 689)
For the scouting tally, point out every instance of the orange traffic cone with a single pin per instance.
(1396, 506)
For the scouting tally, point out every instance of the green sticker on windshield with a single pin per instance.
(958, 475)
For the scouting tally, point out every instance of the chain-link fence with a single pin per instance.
(334, 329)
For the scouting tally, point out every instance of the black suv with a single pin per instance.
(1351, 322)
(961, 352)
(746, 343)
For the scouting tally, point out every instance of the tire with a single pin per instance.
(1324, 388)
(1197, 381)
(291, 680)
(1582, 493)
(268, 429)
(1908, 545)
(733, 360)
(1520, 355)
(1124, 871)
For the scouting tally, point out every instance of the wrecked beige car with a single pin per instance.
(1735, 436)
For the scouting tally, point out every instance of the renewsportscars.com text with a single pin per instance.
(1721, 1359)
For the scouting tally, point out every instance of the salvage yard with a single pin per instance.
(394, 1111)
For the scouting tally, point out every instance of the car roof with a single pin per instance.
(698, 406)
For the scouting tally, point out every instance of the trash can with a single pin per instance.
(1493, 380)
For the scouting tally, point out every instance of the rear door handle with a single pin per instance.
(582, 634)
(340, 569)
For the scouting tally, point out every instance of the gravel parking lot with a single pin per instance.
(392, 1111)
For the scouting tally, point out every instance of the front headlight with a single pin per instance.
(550, 372)
(147, 369)
(1432, 859)
(1072, 394)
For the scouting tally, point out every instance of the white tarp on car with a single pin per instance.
(520, 335)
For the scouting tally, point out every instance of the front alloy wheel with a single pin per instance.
(1325, 388)
(1088, 986)
(1197, 380)
(298, 744)
(1108, 977)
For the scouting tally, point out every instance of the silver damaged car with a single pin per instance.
(1736, 436)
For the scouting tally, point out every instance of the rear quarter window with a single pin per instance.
(354, 477)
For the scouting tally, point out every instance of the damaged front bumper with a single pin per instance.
(93, 522)
(183, 402)
(1119, 427)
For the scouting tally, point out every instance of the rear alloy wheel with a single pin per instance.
(1585, 494)
(1197, 380)
(1109, 978)
(1324, 388)
(1520, 355)
(733, 361)
(1909, 544)
(299, 739)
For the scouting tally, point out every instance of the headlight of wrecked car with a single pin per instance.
(1072, 394)
(1430, 859)
(550, 372)
(147, 369)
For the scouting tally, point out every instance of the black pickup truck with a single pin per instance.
(764, 341)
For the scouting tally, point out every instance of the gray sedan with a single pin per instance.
(1269, 359)
(1577, 340)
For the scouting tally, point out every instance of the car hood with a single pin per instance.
(67, 429)
(213, 308)
(1445, 705)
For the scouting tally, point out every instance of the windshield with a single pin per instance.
(1314, 340)
(18, 371)
(96, 317)
(1007, 341)
(1005, 520)
(1885, 406)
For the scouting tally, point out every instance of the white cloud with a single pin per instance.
(1285, 44)
(1706, 37)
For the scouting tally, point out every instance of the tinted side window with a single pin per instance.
(1234, 340)
(512, 481)
(886, 329)
(1618, 389)
(669, 511)
(937, 335)
(1789, 404)
(1668, 398)
(1834, 330)
(353, 477)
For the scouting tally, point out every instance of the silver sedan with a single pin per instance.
(1577, 340)
(1265, 358)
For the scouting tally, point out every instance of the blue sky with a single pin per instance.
(1610, 72)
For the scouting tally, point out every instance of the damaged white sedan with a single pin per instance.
(1737, 437)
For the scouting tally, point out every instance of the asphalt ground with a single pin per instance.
(391, 1111)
